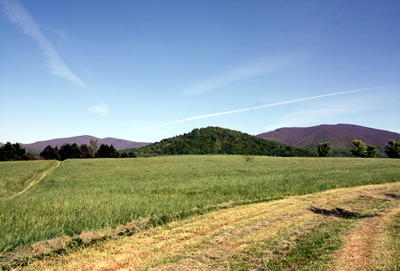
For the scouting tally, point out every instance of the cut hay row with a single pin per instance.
(339, 229)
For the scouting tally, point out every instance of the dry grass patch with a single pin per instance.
(385, 255)
(356, 253)
(367, 247)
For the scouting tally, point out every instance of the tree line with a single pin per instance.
(14, 152)
(360, 149)
(84, 151)
(191, 143)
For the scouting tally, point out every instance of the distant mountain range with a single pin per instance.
(340, 136)
(119, 144)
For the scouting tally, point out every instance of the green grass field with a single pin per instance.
(93, 194)
(14, 176)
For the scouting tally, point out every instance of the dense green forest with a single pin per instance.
(15, 152)
(216, 140)
(84, 151)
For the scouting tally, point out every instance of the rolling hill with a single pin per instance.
(340, 136)
(216, 140)
(119, 144)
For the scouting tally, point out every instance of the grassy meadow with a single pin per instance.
(94, 194)
(15, 175)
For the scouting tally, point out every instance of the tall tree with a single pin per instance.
(113, 152)
(359, 149)
(371, 151)
(2, 154)
(324, 149)
(9, 152)
(68, 151)
(50, 153)
(94, 145)
(19, 151)
(12, 152)
(392, 149)
(86, 151)
(106, 151)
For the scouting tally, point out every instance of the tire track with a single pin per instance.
(37, 178)
(357, 252)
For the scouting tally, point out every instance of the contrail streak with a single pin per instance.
(21, 17)
(265, 106)
(18, 15)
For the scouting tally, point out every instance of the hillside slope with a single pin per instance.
(216, 140)
(119, 144)
(340, 136)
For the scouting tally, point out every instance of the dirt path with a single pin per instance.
(256, 237)
(37, 178)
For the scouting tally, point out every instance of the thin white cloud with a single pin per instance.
(60, 34)
(101, 109)
(247, 71)
(17, 14)
(267, 105)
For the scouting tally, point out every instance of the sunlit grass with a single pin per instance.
(276, 235)
(394, 244)
(87, 195)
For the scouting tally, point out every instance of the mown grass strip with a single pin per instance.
(312, 246)
(283, 233)
(312, 251)
(60, 246)
(393, 230)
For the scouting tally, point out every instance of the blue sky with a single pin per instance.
(148, 70)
